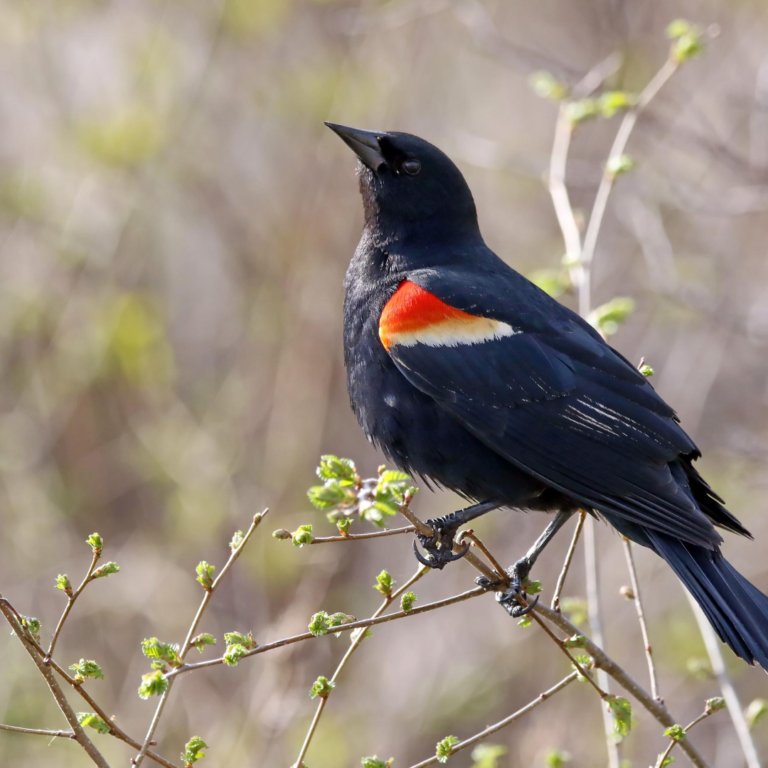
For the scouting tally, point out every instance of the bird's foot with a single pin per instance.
(439, 546)
(512, 597)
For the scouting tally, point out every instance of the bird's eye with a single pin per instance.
(411, 167)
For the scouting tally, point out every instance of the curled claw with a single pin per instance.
(451, 556)
(430, 562)
(522, 611)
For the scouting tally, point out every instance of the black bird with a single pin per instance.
(467, 374)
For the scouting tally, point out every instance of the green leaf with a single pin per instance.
(547, 86)
(555, 758)
(445, 748)
(621, 710)
(233, 654)
(585, 662)
(63, 583)
(167, 653)
(525, 622)
(153, 684)
(302, 536)
(321, 688)
(237, 539)
(532, 587)
(201, 640)
(331, 495)
(204, 573)
(318, 624)
(86, 669)
(374, 762)
(105, 570)
(647, 371)
(92, 720)
(193, 751)
(609, 316)
(343, 524)
(237, 638)
(31, 624)
(577, 641)
(384, 583)
(675, 732)
(756, 711)
(488, 755)
(334, 468)
(96, 543)
(407, 601)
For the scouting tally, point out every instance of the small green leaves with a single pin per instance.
(384, 583)
(712, 705)
(321, 688)
(321, 622)
(237, 540)
(609, 316)
(488, 755)
(63, 583)
(374, 762)
(84, 669)
(667, 761)
(204, 573)
(612, 102)
(233, 654)
(105, 570)
(407, 601)
(153, 684)
(31, 624)
(585, 662)
(687, 40)
(675, 732)
(556, 758)
(619, 165)
(92, 720)
(193, 751)
(281, 534)
(646, 370)
(201, 640)
(96, 543)
(334, 468)
(547, 86)
(387, 496)
(445, 748)
(532, 587)
(302, 536)
(525, 622)
(237, 638)
(340, 486)
(343, 524)
(577, 641)
(756, 711)
(621, 710)
(165, 653)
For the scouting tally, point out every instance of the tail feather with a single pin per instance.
(737, 610)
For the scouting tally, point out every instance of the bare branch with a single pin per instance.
(567, 562)
(37, 731)
(358, 536)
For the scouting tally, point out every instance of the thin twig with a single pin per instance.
(257, 518)
(356, 640)
(703, 716)
(641, 619)
(726, 686)
(567, 562)
(505, 722)
(71, 602)
(502, 575)
(358, 536)
(61, 700)
(37, 731)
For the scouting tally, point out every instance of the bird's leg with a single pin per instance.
(439, 546)
(518, 573)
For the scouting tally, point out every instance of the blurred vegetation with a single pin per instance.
(175, 225)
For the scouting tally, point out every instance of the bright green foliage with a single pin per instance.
(556, 758)
(204, 573)
(233, 654)
(445, 748)
(384, 583)
(618, 166)
(712, 705)
(153, 684)
(756, 711)
(302, 535)
(96, 543)
(237, 540)
(321, 622)
(31, 624)
(387, 496)
(63, 583)
(488, 755)
(586, 663)
(92, 720)
(332, 495)
(532, 587)
(668, 760)
(609, 316)
(687, 40)
(84, 669)
(201, 640)
(166, 653)
(374, 762)
(576, 608)
(675, 732)
(612, 102)
(621, 710)
(193, 751)
(321, 688)
(547, 86)
(554, 282)
(334, 468)
(343, 524)
(577, 641)
(105, 570)
(237, 638)
(407, 601)
(647, 371)
(525, 622)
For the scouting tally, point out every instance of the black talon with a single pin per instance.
(439, 546)
(522, 611)
(429, 562)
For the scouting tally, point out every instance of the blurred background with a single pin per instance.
(175, 224)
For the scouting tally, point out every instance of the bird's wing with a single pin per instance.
(542, 389)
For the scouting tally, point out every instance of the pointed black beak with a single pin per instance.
(365, 144)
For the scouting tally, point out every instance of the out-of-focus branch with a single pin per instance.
(567, 562)
(491, 729)
(708, 712)
(641, 618)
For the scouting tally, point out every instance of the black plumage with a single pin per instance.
(544, 414)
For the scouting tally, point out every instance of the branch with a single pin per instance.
(61, 700)
(37, 731)
(567, 562)
(505, 722)
(358, 536)
(257, 518)
(641, 618)
(708, 712)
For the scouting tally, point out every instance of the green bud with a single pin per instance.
(92, 720)
(321, 688)
(556, 758)
(96, 543)
(384, 584)
(585, 662)
(712, 705)
(612, 102)
(647, 371)
(618, 166)
(201, 640)
(281, 533)
(374, 762)
(204, 573)
(302, 535)
(63, 583)
(105, 570)
(577, 641)
(237, 539)
(84, 669)
(166, 653)
(153, 684)
(582, 109)
(525, 622)
(756, 711)
(676, 732)
(407, 601)
(444, 748)
(576, 608)
(237, 638)
(343, 524)
(547, 86)
(31, 624)
(233, 654)
(193, 751)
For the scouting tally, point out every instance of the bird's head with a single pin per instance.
(408, 185)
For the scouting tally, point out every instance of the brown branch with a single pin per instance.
(703, 716)
(358, 536)
(37, 731)
(567, 562)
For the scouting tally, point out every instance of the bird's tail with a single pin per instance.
(737, 610)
